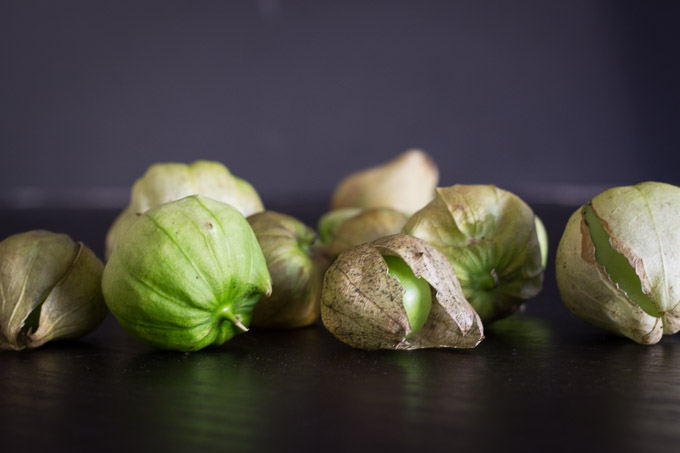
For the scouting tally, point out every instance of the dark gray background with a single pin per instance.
(537, 97)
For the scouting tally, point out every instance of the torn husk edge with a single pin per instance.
(362, 304)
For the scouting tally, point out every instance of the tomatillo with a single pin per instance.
(187, 274)
(618, 264)
(362, 301)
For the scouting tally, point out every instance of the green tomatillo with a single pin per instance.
(169, 181)
(494, 241)
(296, 262)
(618, 264)
(405, 184)
(345, 228)
(375, 296)
(187, 274)
(50, 288)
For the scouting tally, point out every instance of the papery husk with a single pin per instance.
(186, 275)
(296, 262)
(406, 184)
(642, 222)
(362, 304)
(165, 182)
(490, 237)
(57, 280)
(366, 226)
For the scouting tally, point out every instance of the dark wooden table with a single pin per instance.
(540, 381)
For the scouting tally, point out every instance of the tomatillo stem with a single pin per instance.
(226, 313)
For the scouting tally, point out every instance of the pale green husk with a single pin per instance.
(296, 262)
(185, 274)
(164, 182)
(346, 228)
(493, 241)
(50, 288)
(642, 224)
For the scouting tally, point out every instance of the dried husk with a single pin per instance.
(366, 226)
(641, 221)
(362, 304)
(50, 288)
(296, 262)
(165, 182)
(490, 237)
(406, 184)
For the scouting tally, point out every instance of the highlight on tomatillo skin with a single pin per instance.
(186, 275)
(494, 241)
(618, 261)
(375, 296)
(417, 298)
(50, 288)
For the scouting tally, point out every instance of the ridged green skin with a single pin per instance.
(183, 272)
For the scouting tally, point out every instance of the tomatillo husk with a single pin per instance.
(361, 303)
(187, 274)
(618, 262)
(50, 288)
(346, 228)
(405, 183)
(164, 182)
(493, 240)
(296, 261)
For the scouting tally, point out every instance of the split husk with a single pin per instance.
(50, 288)
(362, 304)
(165, 182)
(618, 261)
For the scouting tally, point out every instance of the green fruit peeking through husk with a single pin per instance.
(164, 182)
(493, 240)
(362, 302)
(50, 288)
(296, 263)
(618, 264)
(187, 274)
(416, 298)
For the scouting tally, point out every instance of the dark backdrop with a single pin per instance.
(533, 96)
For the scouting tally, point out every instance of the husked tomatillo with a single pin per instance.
(50, 288)
(405, 184)
(296, 262)
(165, 182)
(494, 241)
(346, 228)
(618, 262)
(186, 275)
(363, 304)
